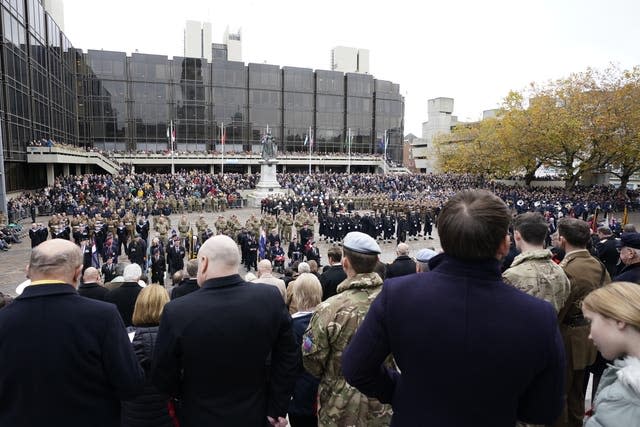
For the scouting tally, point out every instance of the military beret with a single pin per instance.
(630, 240)
(424, 255)
(361, 243)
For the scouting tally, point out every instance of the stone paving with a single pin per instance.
(14, 261)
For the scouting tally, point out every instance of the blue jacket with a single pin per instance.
(471, 350)
(66, 360)
(303, 401)
(630, 273)
(617, 401)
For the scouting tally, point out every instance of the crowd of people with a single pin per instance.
(342, 336)
(351, 344)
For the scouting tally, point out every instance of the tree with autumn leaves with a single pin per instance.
(586, 123)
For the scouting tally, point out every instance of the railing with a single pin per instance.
(93, 157)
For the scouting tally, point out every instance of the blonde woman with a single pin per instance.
(149, 408)
(307, 294)
(614, 313)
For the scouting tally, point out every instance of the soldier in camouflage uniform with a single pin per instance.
(285, 230)
(162, 227)
(330, 330)
(533, 271)
(184, 227)
(202, 225)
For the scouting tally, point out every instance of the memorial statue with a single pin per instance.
(268, 147)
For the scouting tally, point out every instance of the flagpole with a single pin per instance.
(349, 142)
(385, 142)
(310, 150)
(222, 143)
(173, 166)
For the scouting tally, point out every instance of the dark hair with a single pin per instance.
(361, 263)
(473, 224)
(335, 254)
(532, 227)
(381, 269)
(575, 231)
(605, 230)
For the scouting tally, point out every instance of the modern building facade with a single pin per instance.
(197, 40)
(38, 99)
(233, 41)
(350, 59)
(113, 102)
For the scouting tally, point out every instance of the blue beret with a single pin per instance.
(361, 243)
(424, 255)
(630, 240)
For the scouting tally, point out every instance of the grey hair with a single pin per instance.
(192, 268)
(132, 273)
(304, 267)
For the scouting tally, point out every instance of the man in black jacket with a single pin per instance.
(124, 296)
(137, 251)
(91, 287)
(108, 270)
(189, 285)
(607, 250)
(227, 351)
(403, 264)
(76, 360)
(334, 274)
(175, 255)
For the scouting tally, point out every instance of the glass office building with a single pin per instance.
(118, 103)
(38, 99)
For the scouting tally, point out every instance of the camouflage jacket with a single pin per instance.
(535, 274)
(330, 330)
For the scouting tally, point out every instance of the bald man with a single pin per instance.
(227, 351)
(91, 286)
(265, 276)
(70, 356)
(403, 264)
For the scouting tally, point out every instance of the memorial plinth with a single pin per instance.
(268, 184)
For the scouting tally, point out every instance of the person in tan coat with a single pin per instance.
(585, 274)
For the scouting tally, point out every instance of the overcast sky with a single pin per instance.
(474, 51)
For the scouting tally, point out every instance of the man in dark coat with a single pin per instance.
(465, 317)
(607, 250)
(189, 285)
(91, 287)
(175, 256)
(630, 257)
(137, 251)
(239, 377)
(334, 274)
(108, 270)
(403, 264)
(124, 296)
(51, 379)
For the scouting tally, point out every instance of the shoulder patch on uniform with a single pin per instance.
(307, 343)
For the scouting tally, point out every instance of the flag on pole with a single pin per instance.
(222, 134)
(171, 133)
(625, 216)
(594, 224)
(311, 140)
(306, 139)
